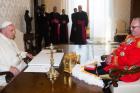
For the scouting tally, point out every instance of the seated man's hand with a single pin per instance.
(14, 70)
(91, 66)
(108, 59)
(105, 76)
(29, 55)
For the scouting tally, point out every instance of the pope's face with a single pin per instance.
(9, 31)
(135, 28)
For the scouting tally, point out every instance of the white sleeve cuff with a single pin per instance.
(23, 54)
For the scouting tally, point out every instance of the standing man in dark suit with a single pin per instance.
(43, 28)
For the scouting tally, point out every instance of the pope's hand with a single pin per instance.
(29, 55)
(14, 70)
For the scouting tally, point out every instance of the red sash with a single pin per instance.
(82, 23)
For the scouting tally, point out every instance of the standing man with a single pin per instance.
(10, 56)
(43, 28)
(73, 28)
(81, 25)
(55, 26)
(64, 19)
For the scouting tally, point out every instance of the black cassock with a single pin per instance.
(55, 27)
(80, 29)
(64, 19)
(73, 28)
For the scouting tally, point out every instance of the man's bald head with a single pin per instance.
(80, 8)
(135, 27)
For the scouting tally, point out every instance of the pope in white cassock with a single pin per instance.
(10, 56)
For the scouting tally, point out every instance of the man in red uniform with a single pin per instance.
(127, 55)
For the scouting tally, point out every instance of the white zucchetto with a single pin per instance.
(5, 24)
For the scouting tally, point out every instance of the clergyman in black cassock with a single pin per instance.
(73, 28)
(64, 19)
(81, 25)
(55, 26)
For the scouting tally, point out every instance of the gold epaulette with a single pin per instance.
(138, 44)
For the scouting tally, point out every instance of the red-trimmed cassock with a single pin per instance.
(64, 19)
(81, 24)
(126, 56)
(55, 27)
(73, 28)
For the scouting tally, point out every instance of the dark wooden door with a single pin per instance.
(135, 8)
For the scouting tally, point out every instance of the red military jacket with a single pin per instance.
(126, 55)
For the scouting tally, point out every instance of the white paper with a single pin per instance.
(44, 59)
(35, 68)
(41, 62)
(48, 51)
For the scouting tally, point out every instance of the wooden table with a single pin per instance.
(39, 83)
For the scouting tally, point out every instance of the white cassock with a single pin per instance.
(10, 55)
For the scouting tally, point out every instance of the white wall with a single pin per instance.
(51, 3)
(122, 10)
(13, 10)
(104, 17)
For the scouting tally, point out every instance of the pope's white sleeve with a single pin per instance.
(3, 67)
(23, 54)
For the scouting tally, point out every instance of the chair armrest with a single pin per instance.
(4, 73)
(8, 76)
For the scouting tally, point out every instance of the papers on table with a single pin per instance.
(43, 58)
(48, 51)
(35, 68)
(2, 81)
(41, 62)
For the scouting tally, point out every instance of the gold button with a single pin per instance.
(122, 54)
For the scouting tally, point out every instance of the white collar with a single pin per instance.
(5, 38)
